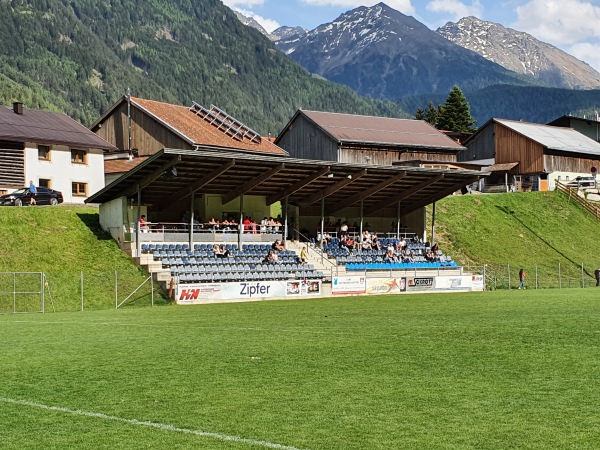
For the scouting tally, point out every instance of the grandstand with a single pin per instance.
(208, 182)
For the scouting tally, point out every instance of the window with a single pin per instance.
(44, 182)
(79, 189)
(44, 152)
(78, 156)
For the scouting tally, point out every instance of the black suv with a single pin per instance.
(20, 197)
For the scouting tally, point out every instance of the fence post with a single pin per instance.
(536, 277)
(116, 290)
(152, 286)
(559, 280)
(582, 277)
(483, 273)
(82, 305)
(508, 267)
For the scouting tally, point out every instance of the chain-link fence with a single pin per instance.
(537, 276)
(78, 291)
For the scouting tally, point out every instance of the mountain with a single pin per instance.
(381, 53)
(287, 32)
(521, 53)
(251, 22)
(80, 56)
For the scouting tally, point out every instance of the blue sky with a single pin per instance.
(571, 25)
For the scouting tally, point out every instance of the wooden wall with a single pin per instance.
(305, 140)
(562, 163)
(12, 164)
(480, 146)
(147, 135)
(513, 147)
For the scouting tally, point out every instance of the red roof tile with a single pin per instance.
(196, 130)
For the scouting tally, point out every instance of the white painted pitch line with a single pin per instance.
(160, 426)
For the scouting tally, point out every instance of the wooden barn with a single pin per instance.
(529, 155)
(358, 139)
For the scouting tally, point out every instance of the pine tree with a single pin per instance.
(420, 114)
(431, 114)
(455, 114)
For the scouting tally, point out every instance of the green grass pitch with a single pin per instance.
(493, 370)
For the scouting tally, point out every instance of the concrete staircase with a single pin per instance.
(324, 265)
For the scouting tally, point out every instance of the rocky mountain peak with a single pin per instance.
(521, 53)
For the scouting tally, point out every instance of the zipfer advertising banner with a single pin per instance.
(190, 294)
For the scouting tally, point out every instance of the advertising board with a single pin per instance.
(419, 283)
(454, 283)
(348, 285)
(478, 283)
(386, 285)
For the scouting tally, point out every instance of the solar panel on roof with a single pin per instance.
(226, 123)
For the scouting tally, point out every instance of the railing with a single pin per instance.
(183, 227)
(317, 250)
(571, 192)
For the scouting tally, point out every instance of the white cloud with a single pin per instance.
(241, 3)
(404, 6)
(572, 25)
(559, 22)
(267, 24)
(456, 8)
(585, 51)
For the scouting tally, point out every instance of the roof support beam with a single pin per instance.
(251, 184)
(194, 187)
(332, 189)
(366, 193)
(403, 195)
(152, 176)
(296, 186)
(438, 196)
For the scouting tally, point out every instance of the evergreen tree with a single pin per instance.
(455, 114)
(420, 114)
(431, 114)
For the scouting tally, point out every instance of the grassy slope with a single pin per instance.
(63, 242)
(523, 230)
(493, 370)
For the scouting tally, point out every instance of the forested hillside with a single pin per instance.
(79, 56)
(531, 104)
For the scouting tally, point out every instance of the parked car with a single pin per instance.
(583, 182)
(20, 197)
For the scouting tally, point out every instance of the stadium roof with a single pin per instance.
(45, 127)
(554, 138)
(351, 128)
(304, 182)
(196, 130)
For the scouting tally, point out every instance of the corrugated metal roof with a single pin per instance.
(381, 130)
(554, 138)
(304, 182)
(45, 127)
(198, 131)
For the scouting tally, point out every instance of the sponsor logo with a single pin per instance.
(251, 290)
(421, 282)
(455, 283)
(189, 294)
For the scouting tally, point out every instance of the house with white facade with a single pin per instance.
(52, 150)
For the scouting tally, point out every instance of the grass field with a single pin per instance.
(492, 370)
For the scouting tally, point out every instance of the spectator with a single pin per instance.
(375, 244)
(344, 229)
(263, 225)
(303, 256)
(522, 279)
(214, 224)
(247, 223)
(435, 248)
(223, 252)
(33, 193)
(277, 246)
(143, 224)
(597, 274)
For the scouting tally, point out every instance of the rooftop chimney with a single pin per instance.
(18, 108)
